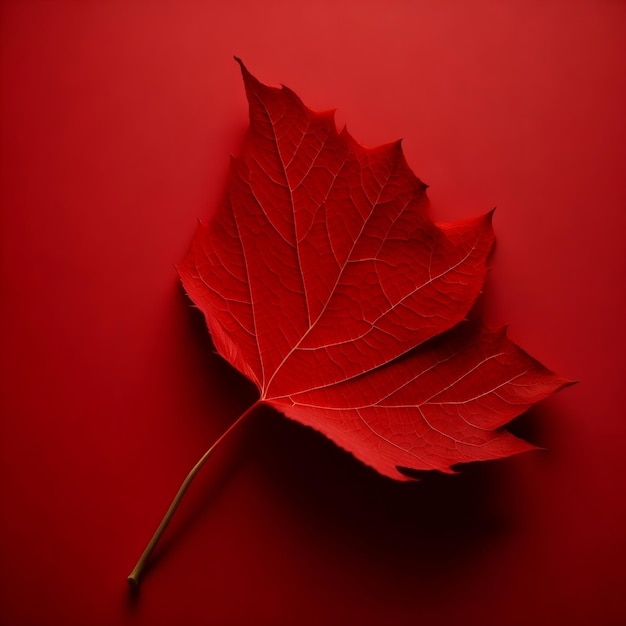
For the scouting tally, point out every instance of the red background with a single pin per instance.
(117, 123)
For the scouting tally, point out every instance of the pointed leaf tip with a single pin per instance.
(248, 78)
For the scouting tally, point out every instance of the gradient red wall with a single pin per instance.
(117, 121)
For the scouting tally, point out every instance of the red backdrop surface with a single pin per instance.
(117, 120)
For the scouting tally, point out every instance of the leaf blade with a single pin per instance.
(324, 280)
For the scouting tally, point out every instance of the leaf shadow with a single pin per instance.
(421, 531)
(208, 373)
(418, 529)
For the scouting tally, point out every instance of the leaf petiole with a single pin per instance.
(135, 575)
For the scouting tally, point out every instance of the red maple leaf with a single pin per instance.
(324, 280)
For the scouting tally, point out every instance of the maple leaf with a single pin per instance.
(324, 280)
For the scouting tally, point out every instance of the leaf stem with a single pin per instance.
(135, 575)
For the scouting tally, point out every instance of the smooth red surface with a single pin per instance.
(116, 123)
